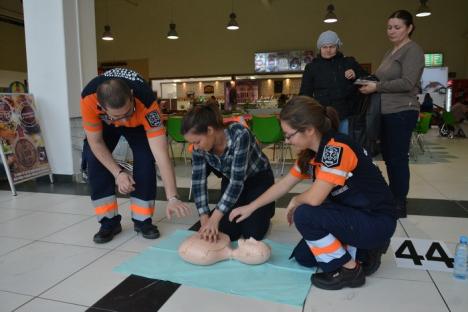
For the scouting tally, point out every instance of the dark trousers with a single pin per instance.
(257, 224)
(102, 181)
(397, 129)
(361, 229)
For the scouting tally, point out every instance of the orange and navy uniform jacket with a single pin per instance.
(359, 183)
(147, 113)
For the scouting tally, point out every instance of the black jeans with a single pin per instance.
(395, 143)
(256, 225)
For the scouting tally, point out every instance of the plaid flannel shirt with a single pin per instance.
(241, 159)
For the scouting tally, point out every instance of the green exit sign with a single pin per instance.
(433, 59)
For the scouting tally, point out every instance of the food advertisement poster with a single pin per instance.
(21, 140)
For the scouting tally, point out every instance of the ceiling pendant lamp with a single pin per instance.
(107, 34)
(330, 17)
(232, 24)
(423, 10)
(172, 33)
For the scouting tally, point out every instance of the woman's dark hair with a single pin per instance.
(302, 113)
(406, 17)
(113, 93)
(200, 117)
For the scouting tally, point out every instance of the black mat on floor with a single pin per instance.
(136, 294)
(437, 208)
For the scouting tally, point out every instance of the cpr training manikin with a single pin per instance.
(201, 252)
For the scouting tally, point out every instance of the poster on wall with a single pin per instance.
(22, 146)
(434, 85)
(282, 61)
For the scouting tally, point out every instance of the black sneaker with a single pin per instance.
(340, 278)
(147, 229)
(106, 234)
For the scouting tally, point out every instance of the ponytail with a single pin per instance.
(200, 117)
(303, 112)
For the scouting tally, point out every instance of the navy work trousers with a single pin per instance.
(102, 181)
(361, 229)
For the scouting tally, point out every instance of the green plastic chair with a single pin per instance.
(174, 126)
(448, 125)
(448, 118)
(422, 127)
(267, 130)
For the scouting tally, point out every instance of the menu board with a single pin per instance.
(433, 59)
(283, 61)
(22, 145)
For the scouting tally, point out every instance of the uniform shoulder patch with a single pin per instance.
(331, 155)
(153, 119)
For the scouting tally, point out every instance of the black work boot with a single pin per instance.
(373, 259)
(109, 228)
(340, 278)
(401, 208)
(146, 228)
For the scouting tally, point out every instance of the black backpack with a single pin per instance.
(364, 126)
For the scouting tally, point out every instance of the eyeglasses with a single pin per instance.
(289, 136)
(124, 116)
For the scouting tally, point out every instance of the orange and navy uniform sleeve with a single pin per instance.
(89, 113)
(337, 163)
(152, 121)
(296, 172)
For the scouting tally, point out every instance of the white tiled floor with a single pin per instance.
(48, 261)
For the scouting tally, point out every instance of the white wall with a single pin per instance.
(55, 63)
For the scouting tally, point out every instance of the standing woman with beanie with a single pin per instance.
(329, 78)
(231, 153)
(348, 207)
(400, 78)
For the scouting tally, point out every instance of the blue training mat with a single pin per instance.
(279, 280)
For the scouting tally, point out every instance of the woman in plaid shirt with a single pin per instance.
(232, 153)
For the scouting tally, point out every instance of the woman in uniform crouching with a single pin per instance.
(349, 208)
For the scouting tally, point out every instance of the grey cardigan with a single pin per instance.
(400, 78)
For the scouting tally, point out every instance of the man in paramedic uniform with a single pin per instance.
(120, 103)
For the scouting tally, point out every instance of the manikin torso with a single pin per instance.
(199, 251)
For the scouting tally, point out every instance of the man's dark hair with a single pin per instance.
(113, 93)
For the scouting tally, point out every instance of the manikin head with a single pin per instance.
(251, 251)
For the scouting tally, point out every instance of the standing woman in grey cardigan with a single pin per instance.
(399, 74)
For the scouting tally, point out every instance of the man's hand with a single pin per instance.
(125, 182)
(241, 213)
(350, 74)
(177, 207)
